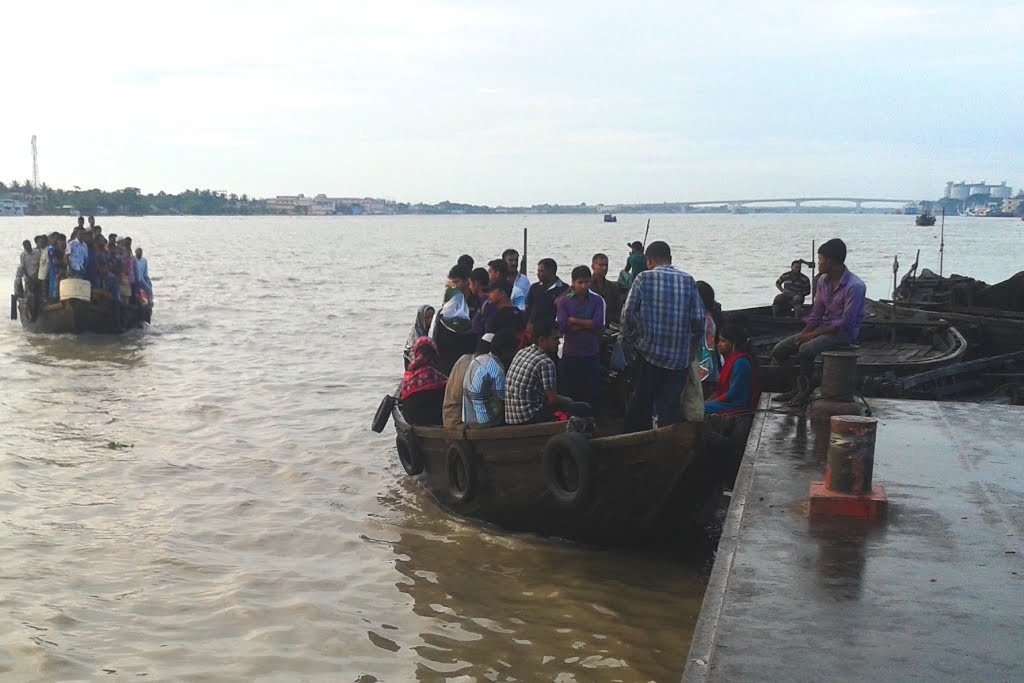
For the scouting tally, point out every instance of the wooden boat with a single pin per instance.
(886, 347)
(75, 316)
(929, 289)
(988, 331)
(609, 490)
(610, 218)
(961, 380)
(924, 219)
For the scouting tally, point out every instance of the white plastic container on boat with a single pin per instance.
(75, 288)
(126, 292)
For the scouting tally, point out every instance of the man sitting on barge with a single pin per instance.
(793, 288)
(834, 321)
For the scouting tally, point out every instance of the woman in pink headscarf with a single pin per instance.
(423, 385)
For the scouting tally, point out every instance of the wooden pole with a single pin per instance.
(814, 264)
(942, 240)
(895, 270)
(646, 232)
(522, 261)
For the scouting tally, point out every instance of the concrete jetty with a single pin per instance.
(935, 591)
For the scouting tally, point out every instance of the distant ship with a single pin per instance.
(610, 218)
(925, 219)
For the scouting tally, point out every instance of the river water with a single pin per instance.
(253, 527)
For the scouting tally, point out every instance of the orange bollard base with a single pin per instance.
(825, 503)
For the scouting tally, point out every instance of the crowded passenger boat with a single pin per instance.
(576, 408)
(86, 283)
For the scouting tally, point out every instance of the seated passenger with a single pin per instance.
(531, 384)
(483, 402)
(420, 328)
(737, 390)
(505, 316)
(451, 409)
(423, 385)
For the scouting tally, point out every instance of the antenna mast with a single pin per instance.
(35, 165)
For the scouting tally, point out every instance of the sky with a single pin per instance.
(515, 103)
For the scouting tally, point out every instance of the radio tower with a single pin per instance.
(35, 165)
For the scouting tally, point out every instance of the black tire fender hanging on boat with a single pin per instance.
(409, 453)
(461, 472)
(569, 468)
(380, 419)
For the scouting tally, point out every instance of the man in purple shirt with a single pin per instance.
(580, 315)
(834, 320)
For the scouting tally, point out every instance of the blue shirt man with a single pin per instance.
(483, 392)
(661, 320)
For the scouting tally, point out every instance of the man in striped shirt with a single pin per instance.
(483, 387)
(662, 319)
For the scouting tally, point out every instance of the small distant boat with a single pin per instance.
(925, 219)
(610, 218)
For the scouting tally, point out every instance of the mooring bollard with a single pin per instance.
(847, 490)
(838, 375)
(851, 454)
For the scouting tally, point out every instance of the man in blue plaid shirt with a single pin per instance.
(661, 321)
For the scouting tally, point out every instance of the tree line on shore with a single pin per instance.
(129, 201)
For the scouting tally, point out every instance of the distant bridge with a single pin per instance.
(735, 204)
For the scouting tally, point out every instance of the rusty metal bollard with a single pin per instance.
(838, 375)
(851, 454)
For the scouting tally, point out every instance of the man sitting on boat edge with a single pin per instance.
(834, 321)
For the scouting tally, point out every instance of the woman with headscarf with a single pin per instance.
(737, 390)
(709, 361)
(423, 385)
(420, 328)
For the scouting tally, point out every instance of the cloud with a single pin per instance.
(515, 103)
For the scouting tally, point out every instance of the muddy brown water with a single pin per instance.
(248, 525)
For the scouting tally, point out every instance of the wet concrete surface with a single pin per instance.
(934, 591)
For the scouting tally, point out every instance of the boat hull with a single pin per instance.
(886, 348)
(643, 486)
(74, 316)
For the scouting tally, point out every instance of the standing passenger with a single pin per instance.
(661, 324)
(511, 259)
(505, 317)
(76, 254)
(710, 362)
(581, 318)
(453, 331)
(609, 291)
(142, 267)
(540, 300)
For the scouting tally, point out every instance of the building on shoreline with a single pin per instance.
(964, 190)
(322, 205)
(12, 207)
